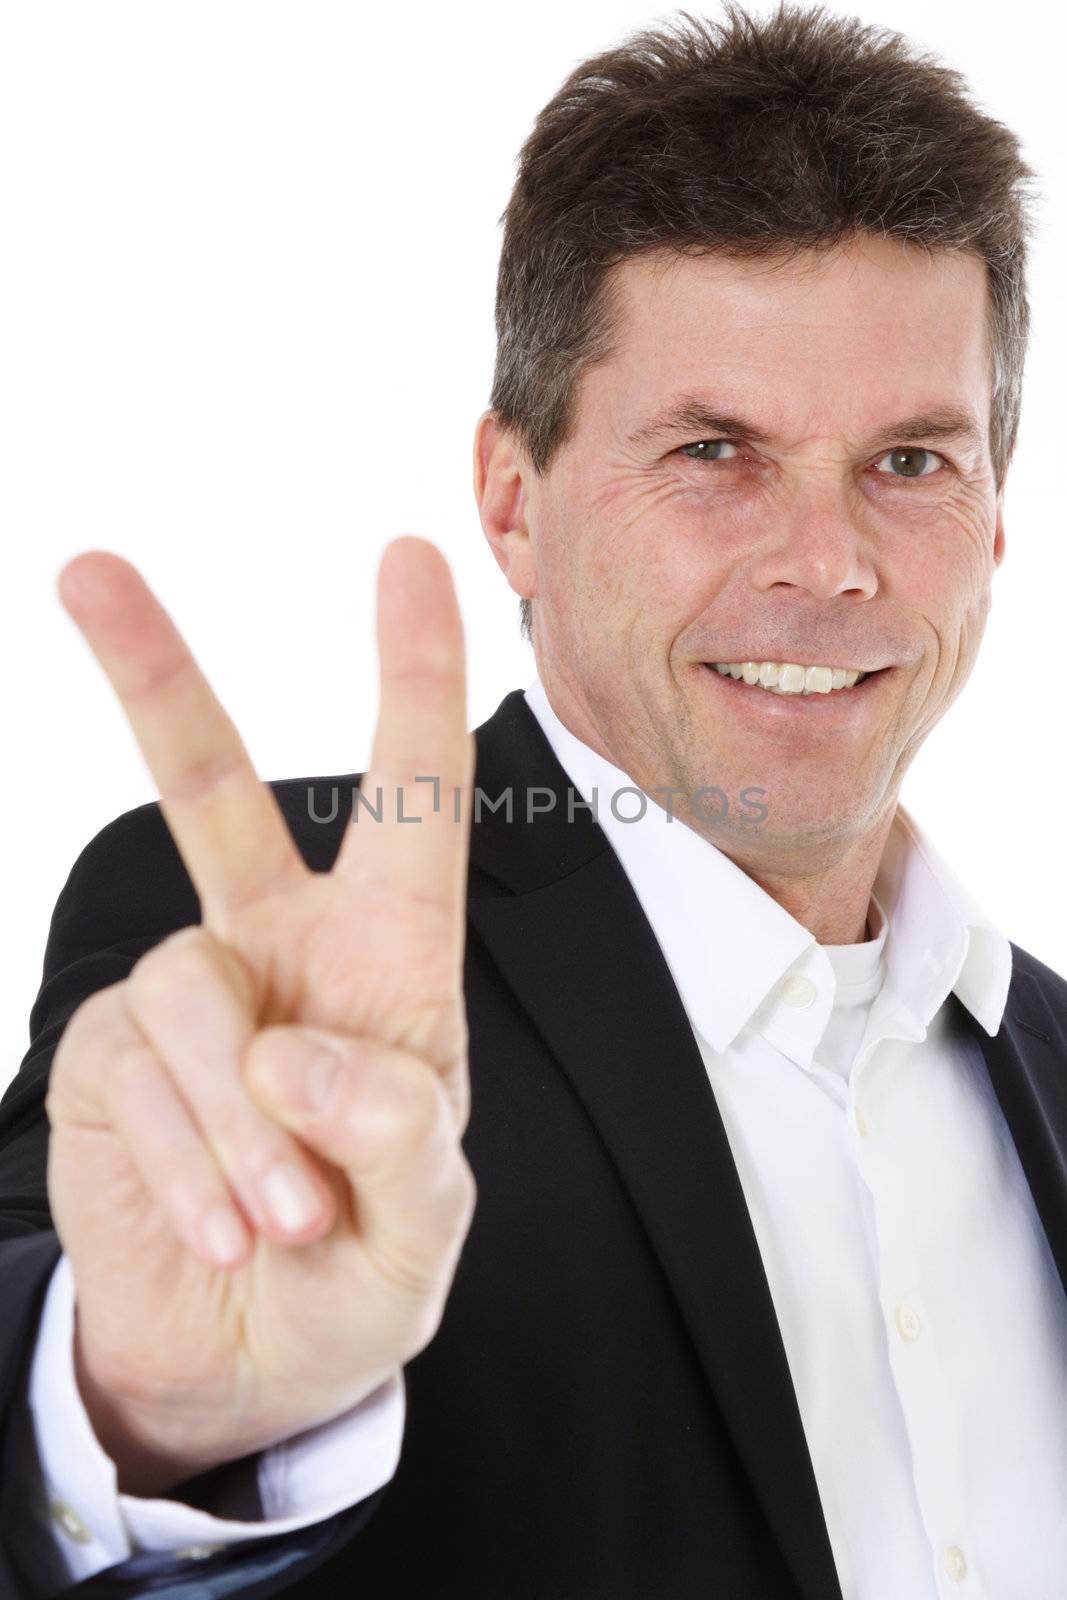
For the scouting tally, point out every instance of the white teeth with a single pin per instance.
(787, 677)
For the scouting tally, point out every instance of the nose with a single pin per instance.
(817, 548)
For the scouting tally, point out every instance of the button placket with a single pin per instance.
(914, 1356)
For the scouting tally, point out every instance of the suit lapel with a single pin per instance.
(574, 946)
(1027, 1062)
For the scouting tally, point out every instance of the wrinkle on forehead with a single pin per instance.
(832, 340)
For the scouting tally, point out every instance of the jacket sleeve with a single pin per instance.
(127, 890)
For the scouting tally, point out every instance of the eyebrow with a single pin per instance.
(694, 415)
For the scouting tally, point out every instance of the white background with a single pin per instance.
(246, 288)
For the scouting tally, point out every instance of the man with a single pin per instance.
(632, 1166)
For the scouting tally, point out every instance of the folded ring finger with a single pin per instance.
(186, 997)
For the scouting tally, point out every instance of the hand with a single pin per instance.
(255, 1165)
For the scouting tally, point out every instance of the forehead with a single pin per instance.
(870, 320)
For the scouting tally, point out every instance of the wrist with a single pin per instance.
(149, 1458)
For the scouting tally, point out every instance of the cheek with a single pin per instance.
(949, 570)
(649, 552)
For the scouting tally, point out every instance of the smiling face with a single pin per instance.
(787, 515)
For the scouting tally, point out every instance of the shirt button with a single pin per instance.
(908, 1325)
(954, 1562)
(197, 1552)
(797, 991)
(861, 1124)
(70, 1522)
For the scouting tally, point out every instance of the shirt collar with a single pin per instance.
(728, 943)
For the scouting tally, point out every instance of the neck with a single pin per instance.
(825, 885)
(831, 900)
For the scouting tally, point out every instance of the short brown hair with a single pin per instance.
(750, 137)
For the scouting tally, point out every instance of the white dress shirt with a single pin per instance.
(922, 1315)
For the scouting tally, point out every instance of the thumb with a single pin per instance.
(386, 1119)
(364, 1105)
(294, 1072)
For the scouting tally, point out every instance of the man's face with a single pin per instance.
(836, 540)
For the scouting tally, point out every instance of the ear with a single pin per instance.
(500, 473)
(998, 539)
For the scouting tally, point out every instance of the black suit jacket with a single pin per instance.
(606, 1412)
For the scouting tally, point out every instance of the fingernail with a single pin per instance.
(224, 1236)
(322, 1076)
(290, 1198)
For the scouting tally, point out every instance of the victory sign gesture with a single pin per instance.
(255, 1165)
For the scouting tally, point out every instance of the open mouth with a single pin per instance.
(794, 681)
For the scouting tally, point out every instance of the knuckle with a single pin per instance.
(194, 936)
(54, 1094)
(276, 1045)
(193, 952)
(460, 1194)
(185, 1196)
(91, 1019)
(226, 1126)
(411, 1274)
(188, 949)
(451, 1177)
(177, 964)
(86, 1041)
(459, 1094)
(405, 1101)
(421, 1107)
(128, 1065)
(451, 1195)
(190, 968)
(244, 1140)
(469, 1186)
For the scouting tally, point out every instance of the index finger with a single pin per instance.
(226, 823)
